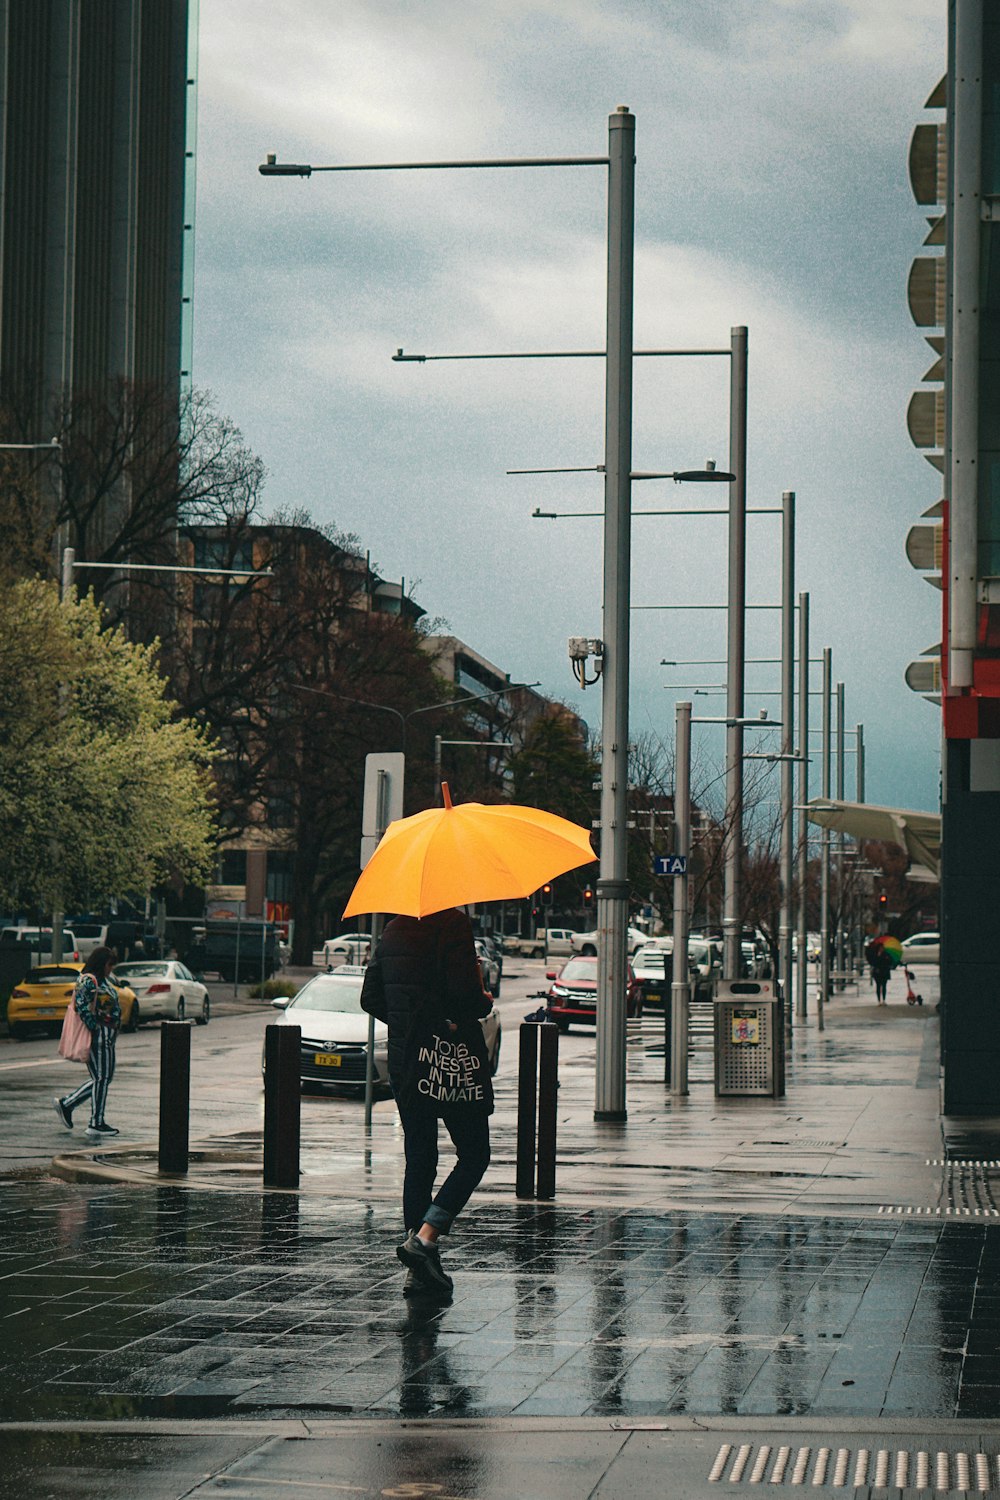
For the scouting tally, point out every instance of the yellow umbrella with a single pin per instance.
(448, 856)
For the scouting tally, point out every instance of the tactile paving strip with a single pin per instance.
(853, 1468)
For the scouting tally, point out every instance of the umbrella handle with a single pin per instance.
(446, 795)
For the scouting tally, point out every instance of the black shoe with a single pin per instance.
(99, 1132)
(412, 1285)
(64, 1114)
(425, 1260)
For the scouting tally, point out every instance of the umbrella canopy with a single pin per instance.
(448, 856)
(891, 947)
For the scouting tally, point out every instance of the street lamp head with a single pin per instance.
(708, 475)
(271, 167)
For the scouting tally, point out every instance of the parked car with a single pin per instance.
(571, 998)
(89, 935)
(39, 939)
(166, 990)
(347, 948)
(495, 950)
(922, 948)
(585, 943)
(705, 960)
(557, 941)
(41, 998)
(653, 968)
(488, 967)
(335, 1032)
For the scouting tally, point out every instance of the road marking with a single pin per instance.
(41, 1062)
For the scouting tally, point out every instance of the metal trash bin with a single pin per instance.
(749, 1039)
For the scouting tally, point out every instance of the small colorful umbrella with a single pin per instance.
(891, 947)
(448, 856)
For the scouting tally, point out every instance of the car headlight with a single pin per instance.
(557, 990)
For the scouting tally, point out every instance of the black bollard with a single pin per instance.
(282, 1105)
(548, 1083)
(527, 1095)
(175, 1096)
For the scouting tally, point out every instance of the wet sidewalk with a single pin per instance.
(857, 1132)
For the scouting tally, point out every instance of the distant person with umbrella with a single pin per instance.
(886, 954)
(424, 983)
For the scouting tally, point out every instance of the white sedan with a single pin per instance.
(335, 1031)
(165, 990)
(922, 948)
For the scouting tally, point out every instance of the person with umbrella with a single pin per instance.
(886, 954)
(424, 983)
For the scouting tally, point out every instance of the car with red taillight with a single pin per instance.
(166, 990)
(571, 999)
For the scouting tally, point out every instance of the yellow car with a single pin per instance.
(41, 998)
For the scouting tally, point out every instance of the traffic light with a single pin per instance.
(588, 898)
(883, 899)
(547, 895)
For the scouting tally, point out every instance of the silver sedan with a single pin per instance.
(165, 990)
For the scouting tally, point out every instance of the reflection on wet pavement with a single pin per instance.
(118, 1303)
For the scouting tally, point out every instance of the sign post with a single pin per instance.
(382, 805)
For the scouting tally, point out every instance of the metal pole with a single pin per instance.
(58, 914)
(787, 747)
(527, 1109)
(802, 962)
(381, 822)
(680, 992)
(436, 790)
(175, 1096)
(859, 792)
(841, 840)
(824, 897)
(612, 886)
(68, 562)
(964, 253)
(735, 653)
(548, 1083)
(282, 1105)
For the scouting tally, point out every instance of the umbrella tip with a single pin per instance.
(446, 794)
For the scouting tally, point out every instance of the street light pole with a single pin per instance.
(680, 992)
(802, 964)
(612, 884)
(787, 746)
(824, 963)
(736, 650)
(841, 842)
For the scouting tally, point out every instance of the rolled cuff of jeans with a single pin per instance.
(439, 1218)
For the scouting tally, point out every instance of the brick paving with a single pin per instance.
(119, 1302)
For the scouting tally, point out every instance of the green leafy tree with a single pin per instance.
(104, 789)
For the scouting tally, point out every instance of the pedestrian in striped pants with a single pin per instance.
(95, 998)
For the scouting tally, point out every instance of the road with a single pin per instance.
(226, 1095)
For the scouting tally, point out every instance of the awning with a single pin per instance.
(918, 833)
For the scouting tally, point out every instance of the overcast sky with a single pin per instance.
(771, 191)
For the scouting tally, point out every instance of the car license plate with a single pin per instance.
(327, 1059)
(47, 1010)
(653, 995)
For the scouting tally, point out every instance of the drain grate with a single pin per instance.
(842, 1468)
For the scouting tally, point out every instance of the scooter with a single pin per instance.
(912, 998)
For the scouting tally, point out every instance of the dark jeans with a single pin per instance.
(470, 1134)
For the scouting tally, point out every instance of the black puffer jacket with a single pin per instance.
(428, 963)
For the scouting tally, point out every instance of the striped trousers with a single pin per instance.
(101, 1066)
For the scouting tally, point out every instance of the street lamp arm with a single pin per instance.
(402, 358)
(272, 168)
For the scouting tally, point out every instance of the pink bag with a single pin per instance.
(74, 1043)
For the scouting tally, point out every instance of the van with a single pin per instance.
(39, 940)
(90, 935)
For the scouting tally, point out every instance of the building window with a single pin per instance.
(232, 867)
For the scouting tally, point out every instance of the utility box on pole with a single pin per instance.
(383, 798)
(749, 1039)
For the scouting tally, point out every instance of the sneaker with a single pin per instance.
(99, 1132)
(412, 1285)
(64, 1114)
(425, 1260)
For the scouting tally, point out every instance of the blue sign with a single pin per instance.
(671, 864)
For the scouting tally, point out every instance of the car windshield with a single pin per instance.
(580, 968)
(140, 971)
(51, 974)
(699, 952)
(330, 994)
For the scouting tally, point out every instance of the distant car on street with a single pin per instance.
(346, 948)
(166, 990)
(571, 999)
(585, 943)
(488, 967)
(922, 948)
(41, 997)
(334, 1046)
(652, 966)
